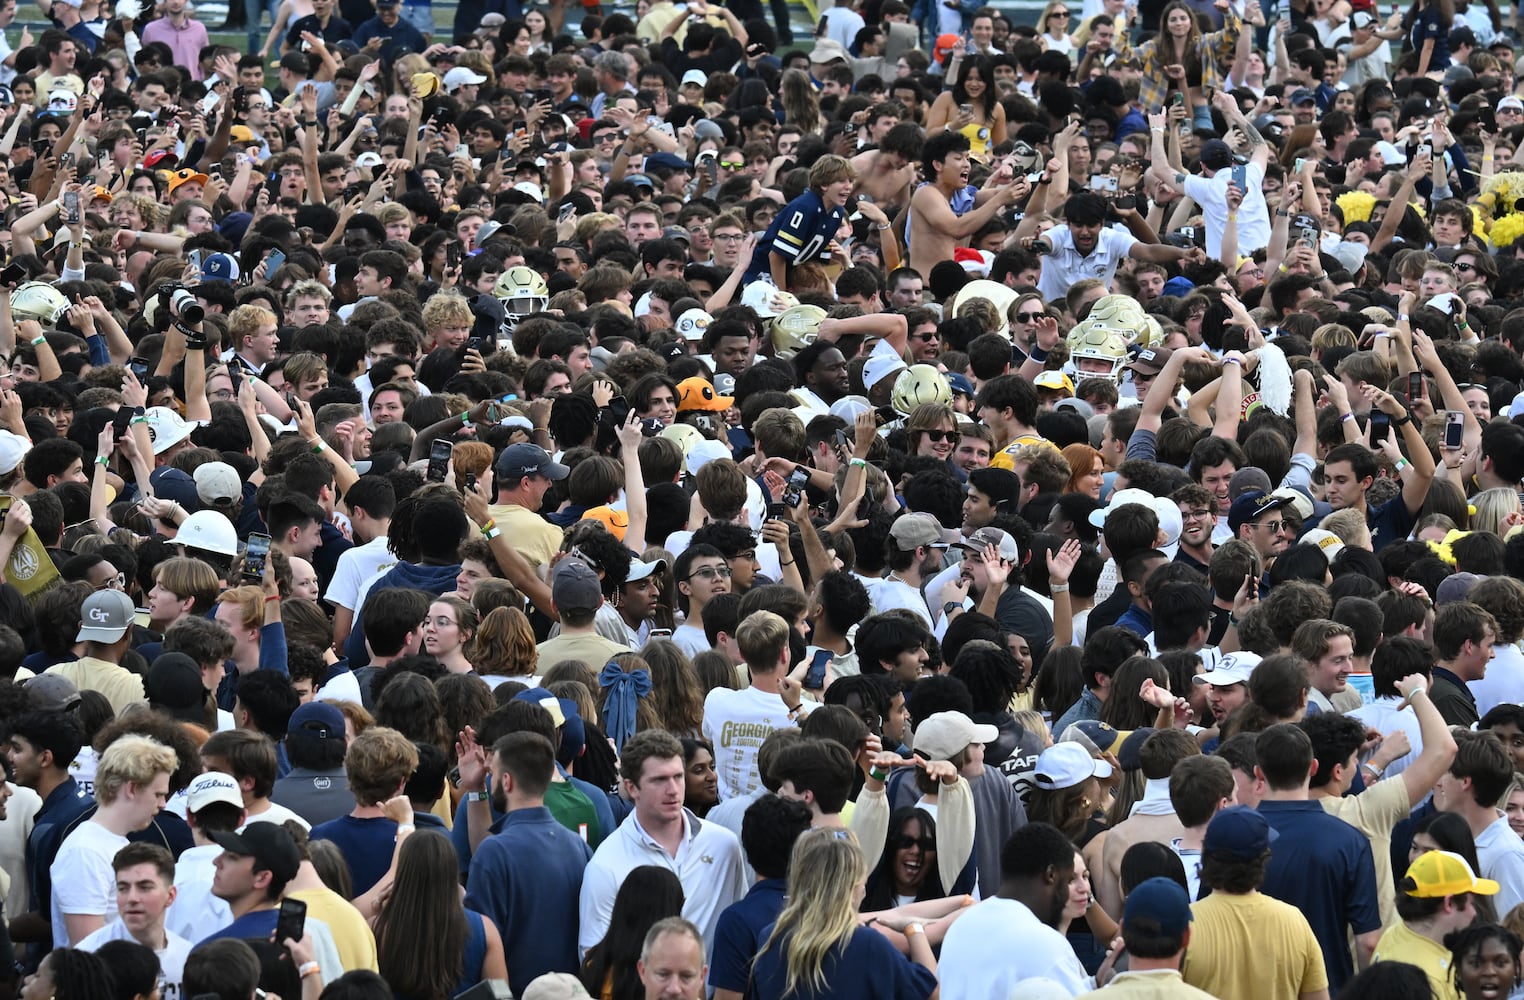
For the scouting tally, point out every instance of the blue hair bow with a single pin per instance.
(625, 689)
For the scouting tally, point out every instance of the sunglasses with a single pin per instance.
(924, 337)
(906, 843)
(1030, 317)
(1272, 525)
(709, 572)
(937, 437)
(732, 164)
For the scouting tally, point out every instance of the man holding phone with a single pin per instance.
(1210, 190)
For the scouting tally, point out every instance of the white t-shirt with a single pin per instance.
(277, 813)
(891, 594)
(171, 957)
(1211, 193)
(356, 566)
(196, 913)
(83, 880)
(690, 639)
(737, 722)
(998, 943)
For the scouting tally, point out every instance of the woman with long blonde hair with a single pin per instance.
(1496, 510)
(1053, 27)
(504, 648)
(818, 931)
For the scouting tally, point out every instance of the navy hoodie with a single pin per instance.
(433, 580)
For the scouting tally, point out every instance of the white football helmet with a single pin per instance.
(999, 295)
(766, 299)
(1106, 352)
(523, 292)
(40, 301)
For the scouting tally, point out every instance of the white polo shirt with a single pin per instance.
(708, 864)
(1066, 266)
(1211, 193)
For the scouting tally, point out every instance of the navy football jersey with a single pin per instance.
(800, 232)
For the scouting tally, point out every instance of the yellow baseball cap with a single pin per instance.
(1437, 874)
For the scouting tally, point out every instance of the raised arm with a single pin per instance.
(1438, 745)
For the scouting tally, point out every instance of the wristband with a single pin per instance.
(1037, 354)
(39, 340)
(482, 796)
(488, 525)
(1346, 418)
(318, 447)
(103, 460)
(1058, 588)
(405, 828)
(272, 597)
(1402, 317)
(1404, 420)
(1401, 464)
(308, 969)
(1232, 361)
(491, 533)
(138, 420)
(465, 419)
(878, 774)
(859, 462)
(911, 930)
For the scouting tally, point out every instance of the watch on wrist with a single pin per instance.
(950, 606)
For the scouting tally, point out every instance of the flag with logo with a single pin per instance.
(30, 568)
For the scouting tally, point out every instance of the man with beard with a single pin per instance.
(990, 575)
(527, 875)
(1011, 937)
(914, 554)
(821, 371)
(1253, 518)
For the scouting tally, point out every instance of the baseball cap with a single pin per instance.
(574, 586)
(945, 45)
(1159, 907)
(105, 617)
(1003, 543)
(641, 570)
(241, 134)
(1511, 102)
(51, 693)
(1122, 498)
(1102, 734)
(218, 483)
(1296, 500)
(315, 722)
(1216, 155)
(160, 159)
(1054, 380)
(268, 844)
(166, 428)
(13, 448)
(827, 50)
(520, 460)
(1350, 255)
(912, 530)
(960, 384)
(174, 685)
(568, 719)
(1246, 479)
(880, 367)
(555, 986)
(667, 161)
(1064, 765)
(677, 233)
(220, 267)
(697, 76)
(170, 483)
(1455, 588)
(703, 452)
(1362, 19)
(1079, 406)
(212, 786)
(1233, 668)
(641, 180)
(1303, 96)
(1251, 505)
(1151, 360)
(186, 175)
(460, 76)
(1437, 874)
(1330, 543)
(696, 393)
(946, 734)
(1239, 832)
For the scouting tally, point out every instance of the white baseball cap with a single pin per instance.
(212, 786)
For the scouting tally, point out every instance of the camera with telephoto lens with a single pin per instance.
(182, 302)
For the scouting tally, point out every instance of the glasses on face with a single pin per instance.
(1032, 317)
(440, 622)
(924, 338)
(1196, 515)
(907, 843)
(118, 582)
(728, 237)
(1274, 526)
(221, 395)
(603, 137)
(732, 164)
(710, 572)
(1061, 14)
(1465, 267)
(937, 437)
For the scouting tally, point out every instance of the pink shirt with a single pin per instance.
(186, 42)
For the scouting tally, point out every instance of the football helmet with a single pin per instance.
(40, 301)
(523, 292)
(794, 329)
(766, 299)
(1101, 348)
(999, 295)
(919, 384)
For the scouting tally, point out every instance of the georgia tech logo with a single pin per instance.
(99, 616)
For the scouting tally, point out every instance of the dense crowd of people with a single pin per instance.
(643, 507)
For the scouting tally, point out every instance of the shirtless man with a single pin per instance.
(886, 173)
(945, 212)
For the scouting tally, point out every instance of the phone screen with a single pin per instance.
(1415, 385)
(1380, 424)
(814, 678)
(1455, 430)
(439, 460)
(292, 922)
(254, 556)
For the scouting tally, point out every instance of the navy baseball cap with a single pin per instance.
(1239, 832)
